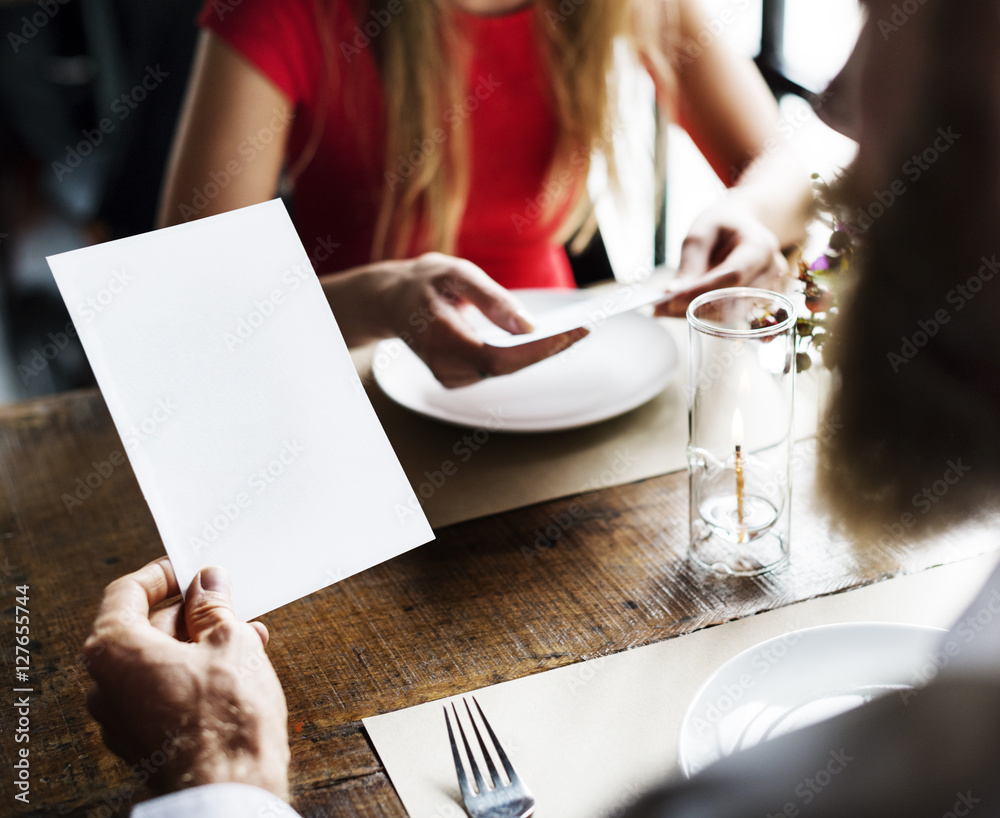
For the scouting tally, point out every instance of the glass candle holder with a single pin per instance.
(741, 394)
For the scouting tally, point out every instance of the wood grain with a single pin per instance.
(490, 600)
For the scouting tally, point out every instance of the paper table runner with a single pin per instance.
(497, 472)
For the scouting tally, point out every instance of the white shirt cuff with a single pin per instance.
(216, 801)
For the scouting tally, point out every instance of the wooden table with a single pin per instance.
(490, 600)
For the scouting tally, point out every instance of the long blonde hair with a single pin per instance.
(421, 58)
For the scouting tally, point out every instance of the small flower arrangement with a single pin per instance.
(765, 318)
(821, 280)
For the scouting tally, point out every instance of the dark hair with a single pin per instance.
(914, 424)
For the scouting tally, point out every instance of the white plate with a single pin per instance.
(622, 364)
(798, 679)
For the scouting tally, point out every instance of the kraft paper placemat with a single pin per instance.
(496, 472)
(590, 738)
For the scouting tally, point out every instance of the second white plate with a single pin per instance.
(798, 679)
(623, 364)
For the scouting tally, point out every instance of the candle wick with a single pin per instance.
(739, 492)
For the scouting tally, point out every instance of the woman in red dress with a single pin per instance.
(438, 151)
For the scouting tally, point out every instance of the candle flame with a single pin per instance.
(737, 428)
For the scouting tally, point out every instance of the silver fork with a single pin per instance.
(505, 799)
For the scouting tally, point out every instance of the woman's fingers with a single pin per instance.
(750, 261)
(460, 362)
(505, 360)
(696, 252)
(727, 246)
(467, 282)
(439, 285)
(689, 290)
(759, 263)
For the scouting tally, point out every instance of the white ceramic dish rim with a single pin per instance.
(523, 425)
(683, 761)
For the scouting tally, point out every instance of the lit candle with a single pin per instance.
(738, 443)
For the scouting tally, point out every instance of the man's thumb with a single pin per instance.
(209, 603)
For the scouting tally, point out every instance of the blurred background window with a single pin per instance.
(89, 94)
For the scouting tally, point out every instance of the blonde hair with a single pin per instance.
(421, 59)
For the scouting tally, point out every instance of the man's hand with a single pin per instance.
(203, 711)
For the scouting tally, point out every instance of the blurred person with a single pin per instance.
(438, 150)
(917, 406)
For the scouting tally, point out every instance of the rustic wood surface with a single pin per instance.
(490, 600)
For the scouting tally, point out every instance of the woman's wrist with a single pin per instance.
(361, 300)
(778, 195)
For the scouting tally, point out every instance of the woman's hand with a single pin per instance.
(420, 300)
(722, 101)
(727, 246)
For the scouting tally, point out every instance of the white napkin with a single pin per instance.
(591, 313)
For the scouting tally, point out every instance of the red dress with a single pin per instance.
(337, 198)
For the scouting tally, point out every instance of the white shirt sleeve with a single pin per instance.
(216, 801)
(972, 646)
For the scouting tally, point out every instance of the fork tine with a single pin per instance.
(463, 779)
(480, 784)
(497, 780)
(503, 756)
